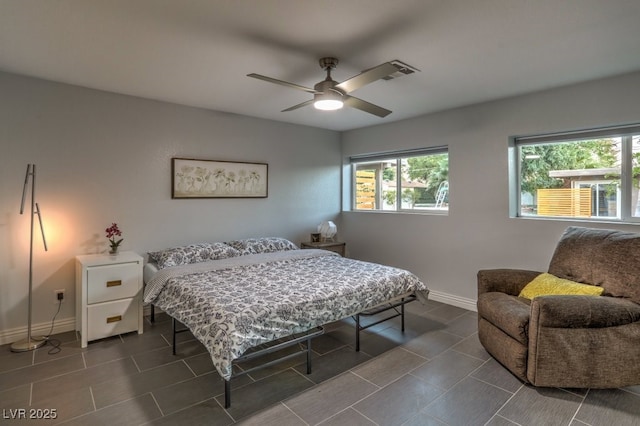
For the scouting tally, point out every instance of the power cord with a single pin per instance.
(55, 343)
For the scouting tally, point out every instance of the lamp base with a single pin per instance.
(28, 344)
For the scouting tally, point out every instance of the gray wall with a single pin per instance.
(447, 251)
(103, 158)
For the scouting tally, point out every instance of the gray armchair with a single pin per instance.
(569, 341)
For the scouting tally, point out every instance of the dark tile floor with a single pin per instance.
(436, 373)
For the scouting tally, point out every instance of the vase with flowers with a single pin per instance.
(112, 233)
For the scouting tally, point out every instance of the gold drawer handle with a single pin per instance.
(114, 283)
(114, 319)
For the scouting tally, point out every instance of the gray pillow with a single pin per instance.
(192, 253)
(262, 245)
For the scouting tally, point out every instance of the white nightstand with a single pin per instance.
(108, 295)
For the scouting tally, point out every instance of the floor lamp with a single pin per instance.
(31, 343)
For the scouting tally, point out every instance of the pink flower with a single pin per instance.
(113, 232)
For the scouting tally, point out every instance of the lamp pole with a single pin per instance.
(31, 343)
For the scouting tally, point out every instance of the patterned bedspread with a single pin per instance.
(234, 304)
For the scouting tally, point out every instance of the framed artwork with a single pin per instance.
(192, 178)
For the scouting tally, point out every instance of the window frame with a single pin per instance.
(625, 132)
(397, 157)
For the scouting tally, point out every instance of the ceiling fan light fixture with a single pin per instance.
(328, 104)
(329, 95)
(328, 101)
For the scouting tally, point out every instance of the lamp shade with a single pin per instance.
(327, 230)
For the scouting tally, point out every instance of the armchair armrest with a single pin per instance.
(582, 312)
(510, 281)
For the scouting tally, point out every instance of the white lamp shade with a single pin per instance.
(327, 229)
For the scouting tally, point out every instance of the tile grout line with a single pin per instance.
(502, 417)
(584, 398)
(305, 376)
(452, 386)
(366, 380)
(363, 415)
(93, 399)
(189, 368)
(294, 413)
(135, 363)
(166, 341)
(426, 359)
(445, 392)
(155, 401)
(352, 406)
(488, 383)
(464, 353)
(513, 395)
(494, 386)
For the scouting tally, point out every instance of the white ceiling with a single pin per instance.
(198, 52)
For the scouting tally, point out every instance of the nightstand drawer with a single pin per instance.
(109, 318)
(111, 282)
(333, 246)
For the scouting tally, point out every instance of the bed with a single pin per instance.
(239, 295)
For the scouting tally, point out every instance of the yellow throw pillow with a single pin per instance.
(547, 284)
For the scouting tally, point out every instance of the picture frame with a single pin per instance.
(197, 178)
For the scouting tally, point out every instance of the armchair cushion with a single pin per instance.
(547, 284)
(582, 312)
(606, 258)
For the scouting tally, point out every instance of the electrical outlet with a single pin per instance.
(59, 295)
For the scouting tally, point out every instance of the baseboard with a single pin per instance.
(60, 326)
(42, 329)
(452, 299)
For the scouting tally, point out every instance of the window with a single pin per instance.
(591, 175)
(402, 181)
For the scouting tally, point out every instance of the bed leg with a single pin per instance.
(402, 313)
(357, 332)
(173, 326)
(308, 356)
(227, 393)
(153, 314)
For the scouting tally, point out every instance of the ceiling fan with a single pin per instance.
(331, 95)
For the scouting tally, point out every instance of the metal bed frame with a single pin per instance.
(314, 332)
(397, 307)
(378, 310)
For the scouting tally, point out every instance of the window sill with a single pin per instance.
(433, 212)
(636, 221)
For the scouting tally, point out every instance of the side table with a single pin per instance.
(334, 246)
(108, 295)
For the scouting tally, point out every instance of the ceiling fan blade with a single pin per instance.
(365, 106)
(366, 77)
(305, 103)
(282, 83)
